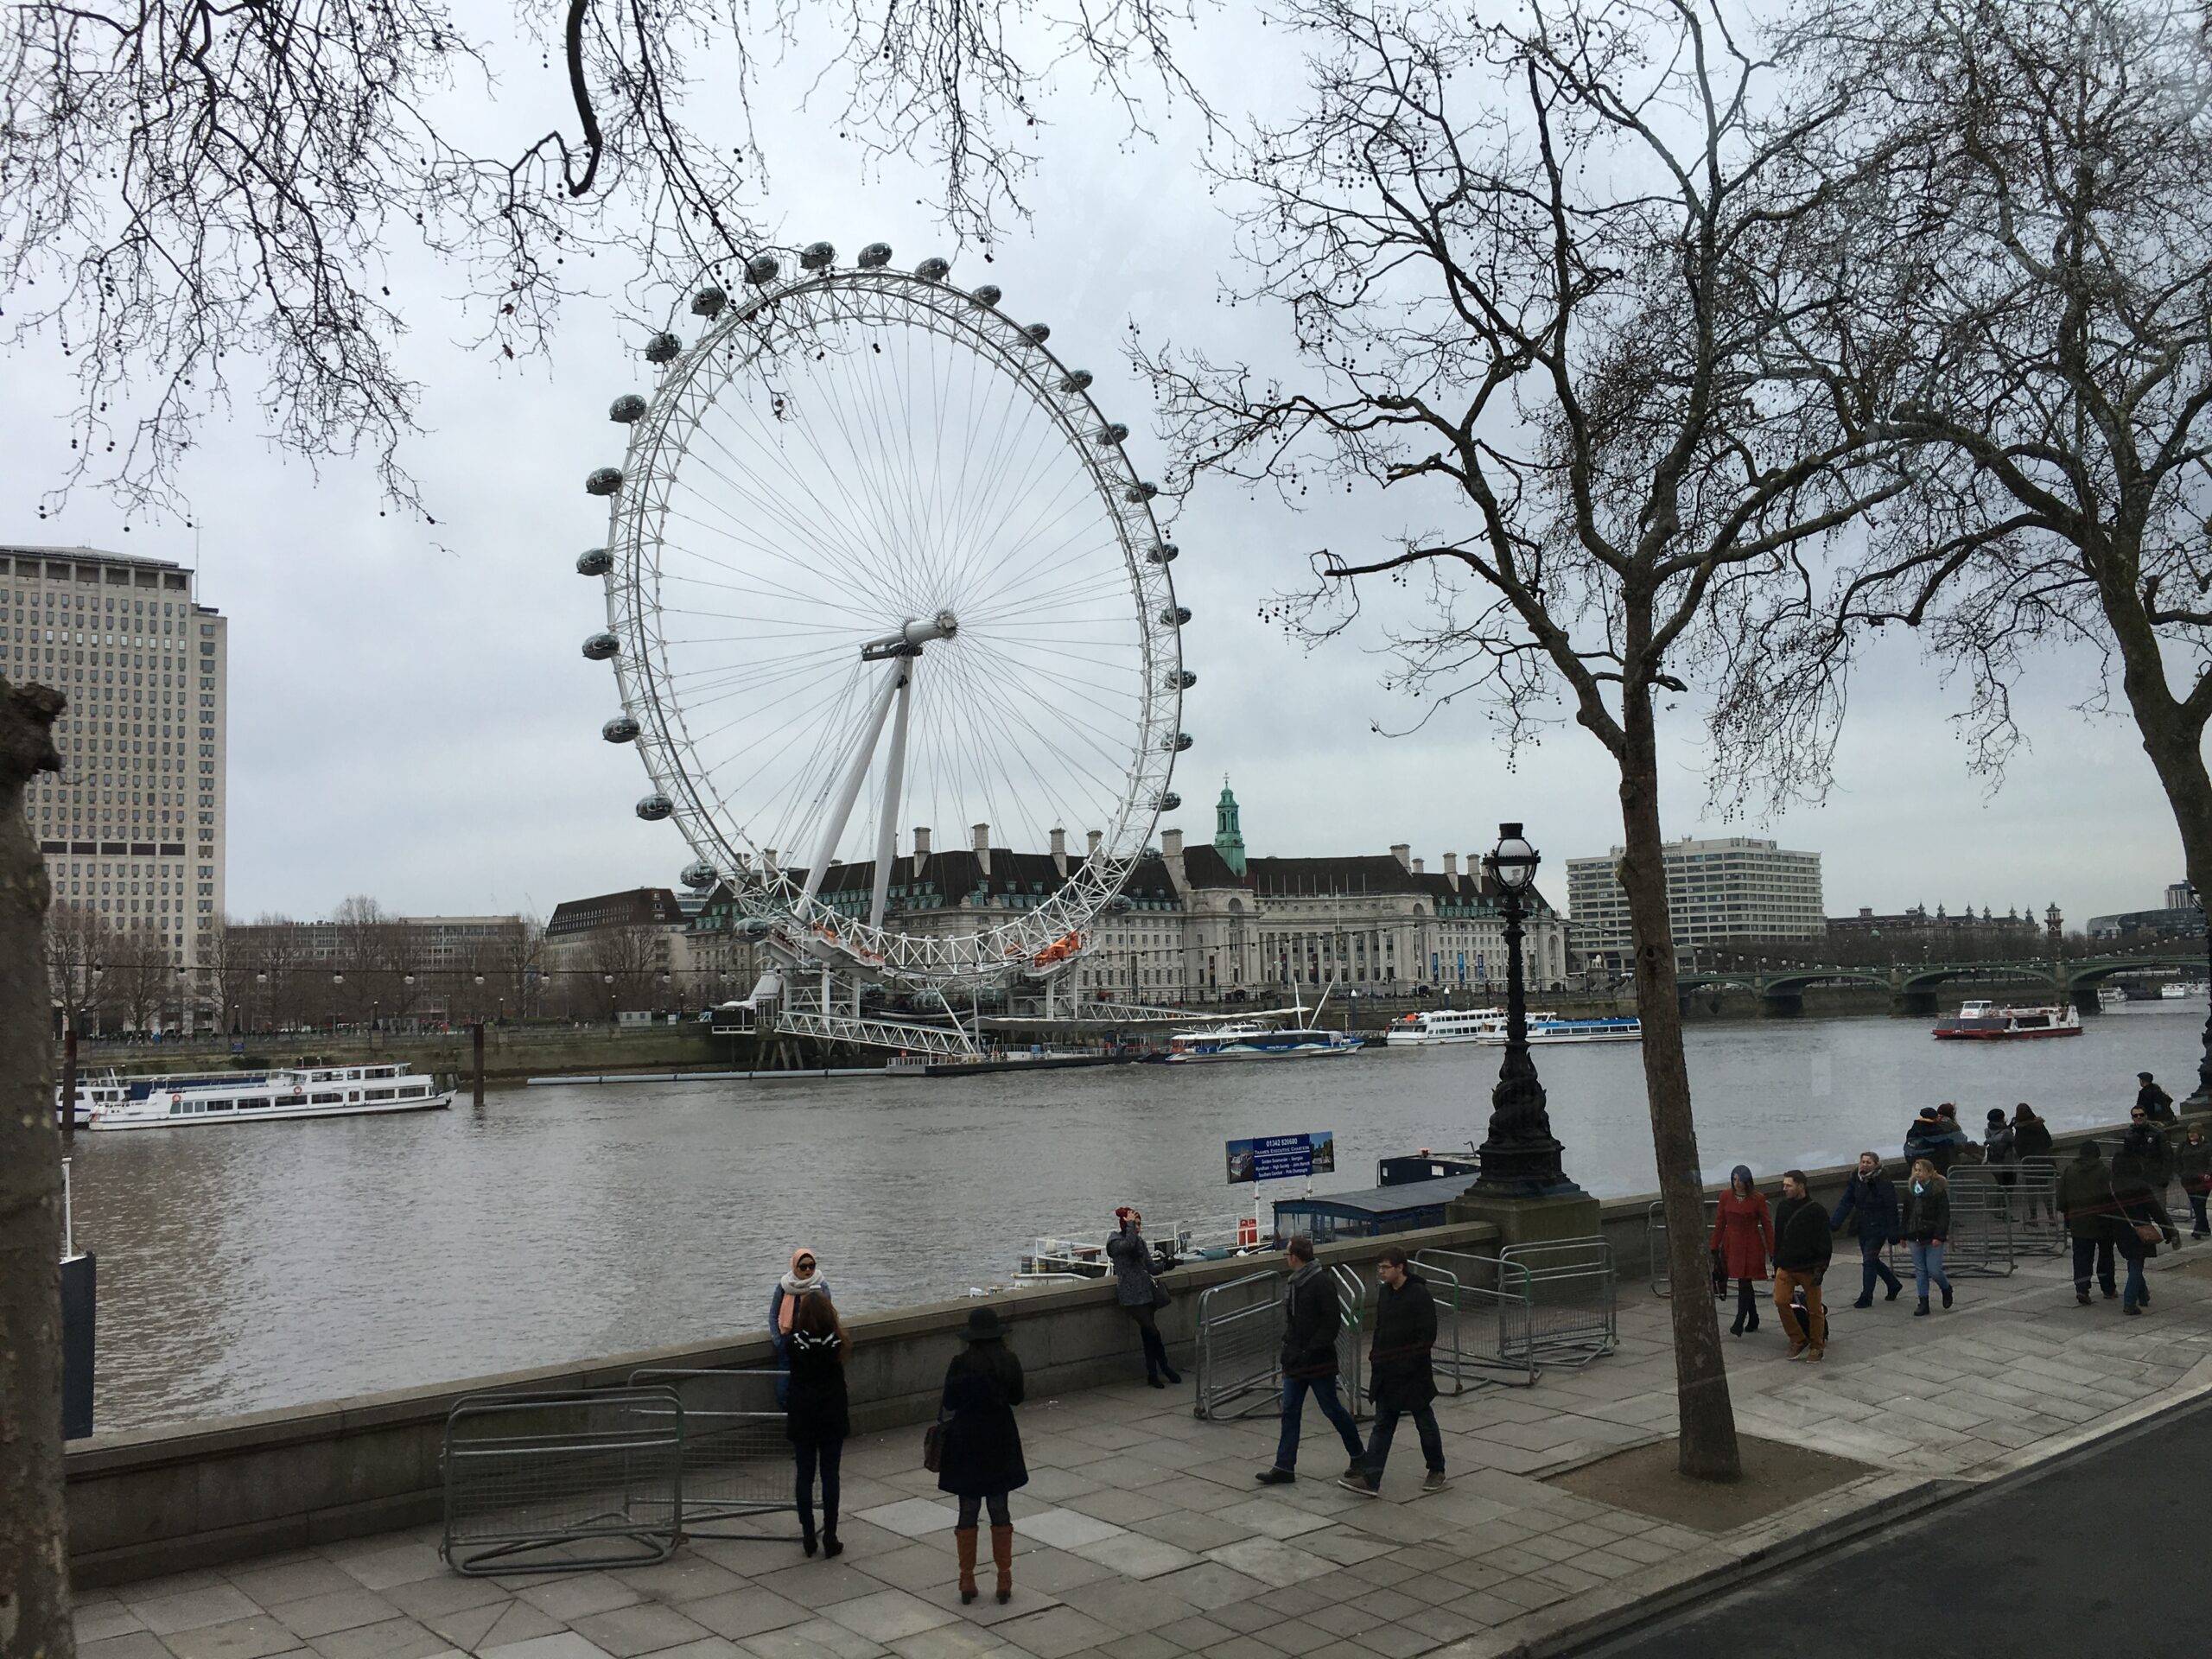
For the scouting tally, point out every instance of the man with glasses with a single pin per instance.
(1312, 1319)
(1400, 1380)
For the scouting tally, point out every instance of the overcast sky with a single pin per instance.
(410, 717)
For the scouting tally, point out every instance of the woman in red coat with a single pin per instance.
(1743, 1238)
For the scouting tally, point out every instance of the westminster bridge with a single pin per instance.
(1916, 988)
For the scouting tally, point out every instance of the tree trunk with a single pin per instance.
(2175, 742)
(34, 1525)
(1706, 1445)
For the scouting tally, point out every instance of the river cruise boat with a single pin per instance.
(2175, 989)
(304, 1091)
(1251, 1040)
(1987, 1022)
(1439, 1026)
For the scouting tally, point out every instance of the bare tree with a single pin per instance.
(141, 980)
(1538, 277)
(2043, 236)
(76, 941)
(626, 966)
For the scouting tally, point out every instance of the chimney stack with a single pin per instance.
(1060, 851)
(1403, 852)
(1171, 854)
(1097, 838)
(1452, 870)
(1171, 843)
(1418, 869)
(983, 846)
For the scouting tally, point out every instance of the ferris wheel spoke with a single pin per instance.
(997, 712)
(758, 581)
(845, 551)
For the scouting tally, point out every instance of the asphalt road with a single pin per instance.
(2102, 1554)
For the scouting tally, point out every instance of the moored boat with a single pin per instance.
(295, 1092)
(1253, 1040)
(1439, 1026)
(1988, 1022)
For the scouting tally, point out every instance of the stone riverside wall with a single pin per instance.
(196, 1494)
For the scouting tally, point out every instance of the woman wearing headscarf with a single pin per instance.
(816, 1418)
(1134, 1289)
(1743, 1235)
(980, 1446)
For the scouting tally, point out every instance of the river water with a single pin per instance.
(253, 1266)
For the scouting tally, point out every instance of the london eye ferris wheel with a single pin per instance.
(876, 559)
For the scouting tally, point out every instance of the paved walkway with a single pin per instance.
(1143, 1535)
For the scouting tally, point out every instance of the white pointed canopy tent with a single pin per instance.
(874, 551)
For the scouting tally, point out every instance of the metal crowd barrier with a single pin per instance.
(562, 1482)
(1482, 1320)
(1982, 1245)
(1240, 1346)
(737, 1460)
(2037, 1227)
(1655, 1244)
(1571, 1310)
(1239, 1340)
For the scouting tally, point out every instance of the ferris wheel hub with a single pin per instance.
(910, 639)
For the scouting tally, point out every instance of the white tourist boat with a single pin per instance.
(2175, 989)
(1439, 1026)
(301, 1091)
(1988, 1022)
(1252, 1040)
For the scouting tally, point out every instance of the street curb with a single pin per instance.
(1871, 1503)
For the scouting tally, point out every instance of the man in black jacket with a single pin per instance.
(2085, 1200)
(1312, 1318)
(2153, 1102)
(1801, 1247)
(1399, 1378)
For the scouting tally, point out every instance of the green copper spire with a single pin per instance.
(1227, 839)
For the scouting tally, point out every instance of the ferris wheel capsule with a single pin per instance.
(621, 729)
(1040, 332)
(698, 875)
(594, 561)
(760, 270)
(875, 255)
(655, 807)
(1165, 553)
(818, 256)
(708, 303)
(1176, 615)
(626, 408)
(604, 480)
(988, 293)
(602, 646)
(933, 270)
(663, 348)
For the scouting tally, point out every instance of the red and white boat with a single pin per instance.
(1985, 1022)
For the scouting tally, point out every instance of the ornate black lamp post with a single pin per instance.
(1521, 1159)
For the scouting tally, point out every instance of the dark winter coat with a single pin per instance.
(813, 1409)
(2156, 1102)
(2085, 1198)
(2192, 1163)
(2031, 1137)
(1802, 1243)
(1311, 1316)
(1870, 1203)
(980, 1444)
(1743, 1231)
(1405, 1331)
(2135, 1199)
(1937, 1141)
(1928, 1210)
(2148, 1142)
(1132, 1267)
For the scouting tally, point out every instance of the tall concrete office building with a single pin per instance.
(134, 826)
(1729, 887)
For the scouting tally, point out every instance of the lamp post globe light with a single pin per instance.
(1520, 1158)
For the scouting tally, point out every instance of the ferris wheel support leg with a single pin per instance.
(856, 774)
(895, 776)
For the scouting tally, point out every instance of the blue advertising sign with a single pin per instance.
(1282, 1157)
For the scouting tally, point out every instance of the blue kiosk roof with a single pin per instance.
(1411, 1203)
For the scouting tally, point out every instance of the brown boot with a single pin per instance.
(963, 1539)
(1002, 1553)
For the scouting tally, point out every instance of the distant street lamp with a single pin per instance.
(336, 980)
(1520, 1158)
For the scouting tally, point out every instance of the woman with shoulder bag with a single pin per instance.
(1137, 1289)
(815, 1417)
(2139, 1220)
(979, 1445)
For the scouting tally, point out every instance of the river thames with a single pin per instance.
(254, 1266)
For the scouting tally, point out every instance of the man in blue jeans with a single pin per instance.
(1311, 1319)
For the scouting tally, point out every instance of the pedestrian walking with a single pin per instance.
(1869, 1205)
(815, 1420)
(1999, 1151)
(2139, 1217)
(1137, 1289)
(2150, 1144)
(2038, 1169)
(1743, 1233)
(2156, 1103)
(2192, 1163)
(1400, 1380)
(1935, 1135)
(1310, 1320)
(2085, 1200)
(803, 1275)
(1801, 1249)
(1927, 1227)
(980, 1446)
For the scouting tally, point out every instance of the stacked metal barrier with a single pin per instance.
(1355, 1304)
(1239, 1344)
(1572, 1314)
(737, 1459)
(1982, 1245)
(1655, 1245)
(1482, 1320)
(562, 1482)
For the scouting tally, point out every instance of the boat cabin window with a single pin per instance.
(218, 1106)
(290, 1100)
(334, 1098)
(352, 1094)
(354, 1076)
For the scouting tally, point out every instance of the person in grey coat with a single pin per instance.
(1135, 1273)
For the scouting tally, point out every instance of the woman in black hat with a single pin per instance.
(980, 1446)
